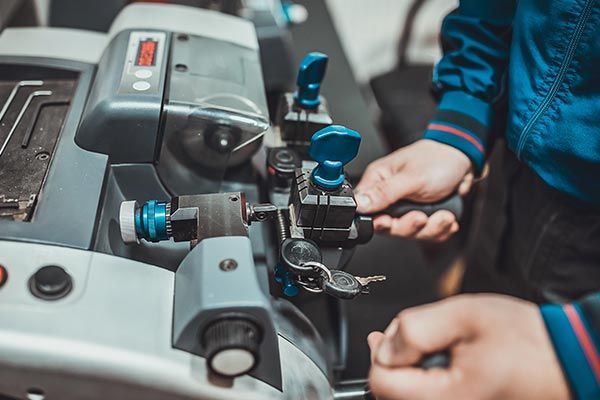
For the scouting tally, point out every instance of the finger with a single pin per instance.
(375, 172)
(453, 229)
(412, 383)
(382, 223)
(438, 225)
(466, 184)
(385, 192)
(409, 224)
(374, 340)
(425, 329)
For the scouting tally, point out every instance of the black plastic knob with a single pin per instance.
(50, 283)
(281, 165)
(231, 346)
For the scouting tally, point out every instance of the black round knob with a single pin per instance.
(50, 283)
(231, 346)
(283, 161)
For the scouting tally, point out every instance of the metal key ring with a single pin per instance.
(315, 266)
(306, 286)
(318, 265)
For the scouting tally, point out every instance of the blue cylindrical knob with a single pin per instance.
(151, 221)
(332, 148)
(310, 75)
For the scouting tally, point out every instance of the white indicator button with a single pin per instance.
(143, 73)
(141, 85)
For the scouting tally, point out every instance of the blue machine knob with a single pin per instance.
(151, 221)
(311, 73)
(332, 147)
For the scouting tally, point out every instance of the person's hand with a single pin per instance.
(498, 345)
(425, 171)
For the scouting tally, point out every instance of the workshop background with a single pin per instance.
(381, 55)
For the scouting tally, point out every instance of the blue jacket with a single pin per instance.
(530, 70)
(543, 56)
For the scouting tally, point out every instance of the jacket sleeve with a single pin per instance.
(575, 332)
(470, 76)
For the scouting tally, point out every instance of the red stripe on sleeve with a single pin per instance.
(584, 339)
(457, 132)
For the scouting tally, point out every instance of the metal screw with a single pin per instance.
(261, 216)
(42, 156)
(229, 264)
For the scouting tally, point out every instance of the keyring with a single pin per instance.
(306, 286)
(318, 265)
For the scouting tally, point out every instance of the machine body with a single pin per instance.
(136, 115)
(140, 237)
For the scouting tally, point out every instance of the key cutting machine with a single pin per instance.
(148, 206)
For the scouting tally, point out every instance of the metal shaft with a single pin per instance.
(21, 113)
(13, 93)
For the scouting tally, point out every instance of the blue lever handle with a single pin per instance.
(310, 75)
(332, 148)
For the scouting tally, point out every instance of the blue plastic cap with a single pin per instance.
(285, 278)
(151, 221)
(332, 147)
(310, 75)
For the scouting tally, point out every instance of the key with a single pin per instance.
(368, 279)
(343, 285)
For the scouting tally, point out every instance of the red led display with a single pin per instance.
(146, 55)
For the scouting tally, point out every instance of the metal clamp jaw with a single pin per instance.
(190, 217)
(322, 204)
(302, 113)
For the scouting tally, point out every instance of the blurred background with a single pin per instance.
(378, 83)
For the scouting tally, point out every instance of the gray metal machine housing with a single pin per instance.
(128, 329)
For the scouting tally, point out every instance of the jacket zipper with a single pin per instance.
(559, 77)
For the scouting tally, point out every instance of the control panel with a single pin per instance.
(144, 62)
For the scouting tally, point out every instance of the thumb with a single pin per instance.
(386, 192)
(374, 340)
(425, 329)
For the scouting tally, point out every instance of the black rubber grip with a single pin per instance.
(360, 390)
(453, 203)
(435, 360)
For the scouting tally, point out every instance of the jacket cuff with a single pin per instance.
(463, 121)
(574, 343)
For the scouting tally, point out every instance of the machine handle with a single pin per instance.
(453, 203)
(439, 359)
(332, 147)
(310, 75)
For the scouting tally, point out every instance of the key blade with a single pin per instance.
(364, 281)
